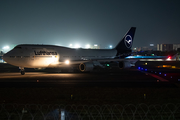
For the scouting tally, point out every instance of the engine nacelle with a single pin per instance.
(124, 64)
(86, 67)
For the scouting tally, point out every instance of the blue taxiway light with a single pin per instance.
(164, 74)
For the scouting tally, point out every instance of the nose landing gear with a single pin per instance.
(22, 70)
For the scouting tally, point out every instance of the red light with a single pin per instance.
(169, 57)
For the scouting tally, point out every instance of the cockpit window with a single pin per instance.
(17, 47)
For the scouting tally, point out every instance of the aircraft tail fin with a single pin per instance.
(124, 46)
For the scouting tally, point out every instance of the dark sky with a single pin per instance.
(88, 21)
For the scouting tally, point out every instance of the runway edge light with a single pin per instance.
(144, 96)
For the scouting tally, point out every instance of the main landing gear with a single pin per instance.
(22, 70)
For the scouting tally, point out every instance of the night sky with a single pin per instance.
(101, 22)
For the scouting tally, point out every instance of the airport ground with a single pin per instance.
(111, 86)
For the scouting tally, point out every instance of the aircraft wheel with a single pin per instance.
(22, 72)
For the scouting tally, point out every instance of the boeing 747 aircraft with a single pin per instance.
(44, 56)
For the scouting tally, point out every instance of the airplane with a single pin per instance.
(52, 56)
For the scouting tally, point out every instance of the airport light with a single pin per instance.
(110, 46)
(77, 46)
(107, 65)
(67, 62)
(169, 58)
(96, 46)
(173, 67)
(87, 46)
(151, 45)
(70, 45)
(6, 47)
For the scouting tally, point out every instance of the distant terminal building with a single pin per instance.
(164, 47)
(167, 47)
(145, 48)
(176, 46)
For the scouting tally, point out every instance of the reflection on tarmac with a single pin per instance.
(31, 75)
(123, 78)
(128, 75)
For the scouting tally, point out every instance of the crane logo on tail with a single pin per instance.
(128, 41)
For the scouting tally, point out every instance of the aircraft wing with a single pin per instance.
(88, 65)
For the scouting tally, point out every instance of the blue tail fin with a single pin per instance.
(124, 46)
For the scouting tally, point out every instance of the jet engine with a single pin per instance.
(86, 67)
(124, 64)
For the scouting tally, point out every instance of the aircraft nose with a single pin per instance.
(5, 57)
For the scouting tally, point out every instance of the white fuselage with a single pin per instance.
(42, 56)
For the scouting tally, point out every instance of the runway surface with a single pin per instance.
(110, 87)
(120, 78)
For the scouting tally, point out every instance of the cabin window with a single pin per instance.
(65, 56)
(26, 56)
